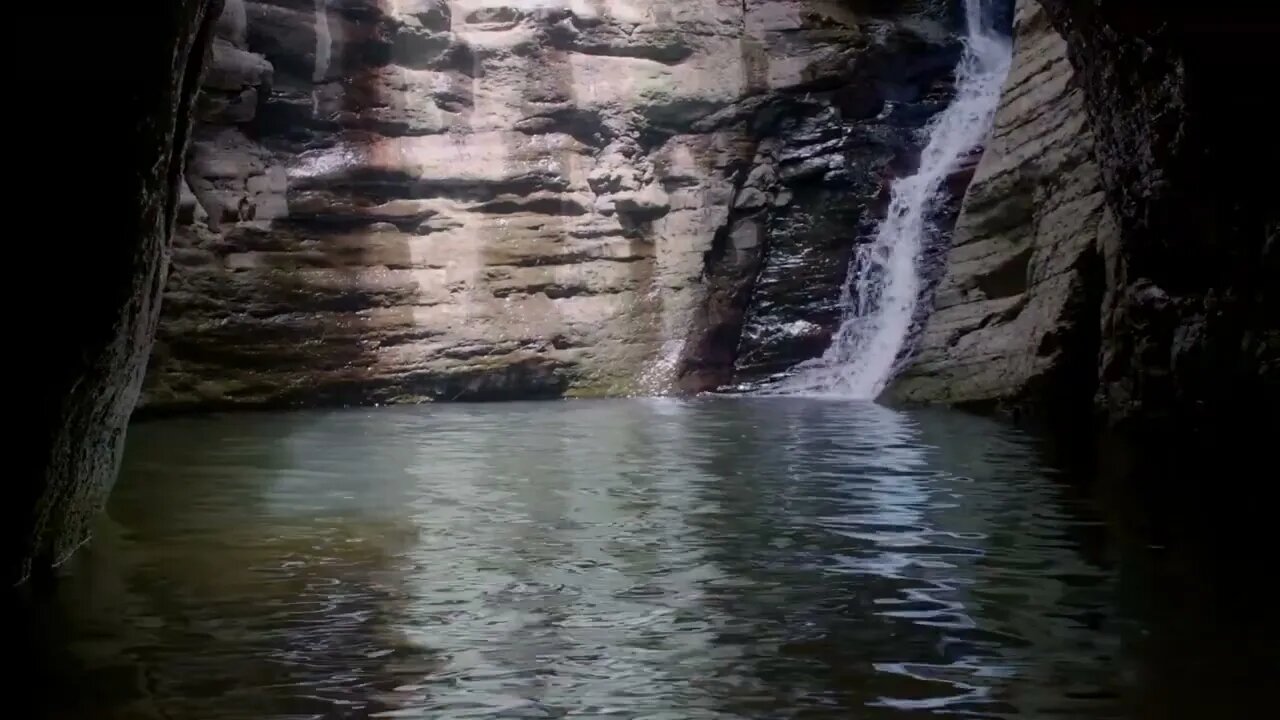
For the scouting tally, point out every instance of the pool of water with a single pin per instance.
(718, 558)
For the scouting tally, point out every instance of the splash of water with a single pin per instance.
(881, 299)
(671, 315)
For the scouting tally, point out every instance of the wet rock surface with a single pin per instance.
(814, 188)
(818, 217)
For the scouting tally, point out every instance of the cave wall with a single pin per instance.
(1117, 254)
(1191, 307)
(471, 199)
(87, 349)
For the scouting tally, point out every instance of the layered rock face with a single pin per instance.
(418, 199)
(1015, 317)
(87, 355)
(1118, 249)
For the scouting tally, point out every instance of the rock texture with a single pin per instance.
(1191, 307)
(421, 199)
(1016, 315)
(86, 351)
(815, 187)
(1157, 297)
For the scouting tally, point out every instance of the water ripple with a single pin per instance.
(747, 558)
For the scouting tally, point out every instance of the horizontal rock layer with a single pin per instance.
(399, 201)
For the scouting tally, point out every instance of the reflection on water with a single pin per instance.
(767, 558)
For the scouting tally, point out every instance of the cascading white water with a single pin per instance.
(881, 297)
(324, 52)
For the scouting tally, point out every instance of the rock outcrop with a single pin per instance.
(413, 200)
(1118, 252)
(85, 352)
(1015, 318)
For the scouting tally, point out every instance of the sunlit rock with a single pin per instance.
(398, 198)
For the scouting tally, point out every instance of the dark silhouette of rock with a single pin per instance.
(114, 99)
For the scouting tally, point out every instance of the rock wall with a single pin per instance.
(816, 185)
(1015, 319)
(85, 351)
(419, 199)
(1118, 251)
(1191, 306)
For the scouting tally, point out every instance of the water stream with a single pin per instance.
(885, 285)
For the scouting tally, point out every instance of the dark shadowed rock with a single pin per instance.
(1181, 133)
(86, 362)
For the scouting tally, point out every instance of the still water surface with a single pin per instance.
(730, 558)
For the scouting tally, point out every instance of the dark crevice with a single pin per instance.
(1007, 279)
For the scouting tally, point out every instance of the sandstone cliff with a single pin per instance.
(408, 200)
(1117, 252)
(85, 352)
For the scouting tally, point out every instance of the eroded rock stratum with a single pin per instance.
(419, 199)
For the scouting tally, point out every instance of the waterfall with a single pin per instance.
(885, 284)
(324, 43)
(324, 52)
